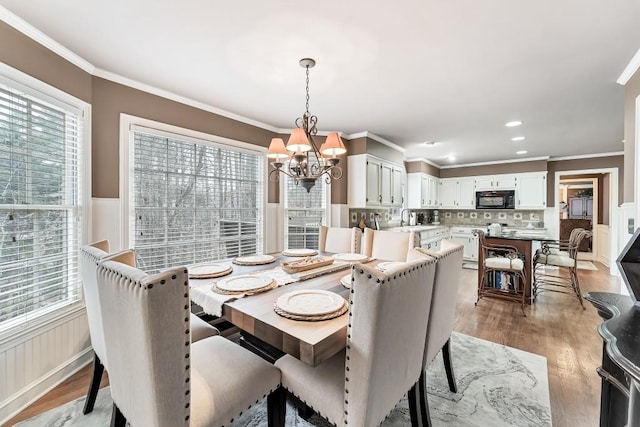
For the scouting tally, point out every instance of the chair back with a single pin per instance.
(385, 338)
(88, 258)
(387, 245)
(574, 245)
(146, 329)
(445, 295)
(340, 240)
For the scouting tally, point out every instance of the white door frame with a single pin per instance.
(613, 205)
(593, 256)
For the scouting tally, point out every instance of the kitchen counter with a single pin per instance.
(415, 228)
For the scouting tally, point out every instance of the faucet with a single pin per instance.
(402, 215)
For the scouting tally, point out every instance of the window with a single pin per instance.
(41, 222)
(193, 200)
(304, 213)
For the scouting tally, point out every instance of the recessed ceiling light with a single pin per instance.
(521, 152)
(513, 123)
(429, 143)
(452, 157)
(517, 138)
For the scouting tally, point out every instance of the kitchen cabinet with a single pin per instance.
(383, 183)
(422, 191)
(457, 193)
(464, 236)
(580, 207)
(495, 182)
(531, 191)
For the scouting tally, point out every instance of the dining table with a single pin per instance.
(263, 329)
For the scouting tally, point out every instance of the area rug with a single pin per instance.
(498, 386)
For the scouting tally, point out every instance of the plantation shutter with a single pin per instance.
(193, 201)
(39, 204)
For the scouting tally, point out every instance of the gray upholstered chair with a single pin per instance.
(88, 258)
(565, 261)
(442, 314)
(385, 347)
(387, 245)
(157, 376)
(340, 240)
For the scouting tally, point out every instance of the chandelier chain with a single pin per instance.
(307, 105)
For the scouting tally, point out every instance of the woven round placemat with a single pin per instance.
(270, 286)
(293, 253)
(211, 275)
(338, 313)
(239, 261)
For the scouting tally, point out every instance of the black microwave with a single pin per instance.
(496, 199)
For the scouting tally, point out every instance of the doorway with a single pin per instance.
(604, 210)
(580, 208)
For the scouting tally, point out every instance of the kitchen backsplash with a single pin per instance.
(389, 217)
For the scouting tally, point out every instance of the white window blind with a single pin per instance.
(193, 201)
(39, 205)
(304, 214)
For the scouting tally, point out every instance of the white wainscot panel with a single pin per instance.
(602, 239)
(106, 222)
(33, 363)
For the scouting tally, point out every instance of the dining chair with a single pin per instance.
(442, 314)
(157, 376)
(566, 262)
(88, 259)
(340, 240)
(560, 247)
(387, 320)
(505, 260)
(387, 245)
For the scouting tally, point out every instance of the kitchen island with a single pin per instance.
(524, 244)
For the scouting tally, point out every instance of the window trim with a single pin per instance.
(129, 122)
(39, 89)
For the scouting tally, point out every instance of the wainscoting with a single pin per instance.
(34, 362)
(602, 248)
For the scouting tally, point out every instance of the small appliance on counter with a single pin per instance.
(420, 218)
(436, 218)
(495, 229)
(412, 218)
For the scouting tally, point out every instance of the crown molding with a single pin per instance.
(586, 156)
(424, 160)
(497, 162)
(46, 41)
(181, 99)
(381, 140)
(630, 69)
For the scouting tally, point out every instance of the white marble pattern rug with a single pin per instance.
(497, 386)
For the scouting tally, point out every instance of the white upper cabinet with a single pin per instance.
(397, 181)
(422, 191)
(373, 182)
(457, 193)
(531, 190)
(495, 182)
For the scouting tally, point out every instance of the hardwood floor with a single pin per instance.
(555, 327)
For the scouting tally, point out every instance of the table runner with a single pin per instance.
(212, 302)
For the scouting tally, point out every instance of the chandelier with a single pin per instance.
(301, 159)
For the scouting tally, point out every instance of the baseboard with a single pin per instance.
(34, 391)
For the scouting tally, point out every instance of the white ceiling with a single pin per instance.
(449, 71)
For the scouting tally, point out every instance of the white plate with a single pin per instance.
(346, 281)
(256, 258)
(299, 252)
(311, 302)
(390, 265)
(350, 257)
(244, 283)
(207, 269)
